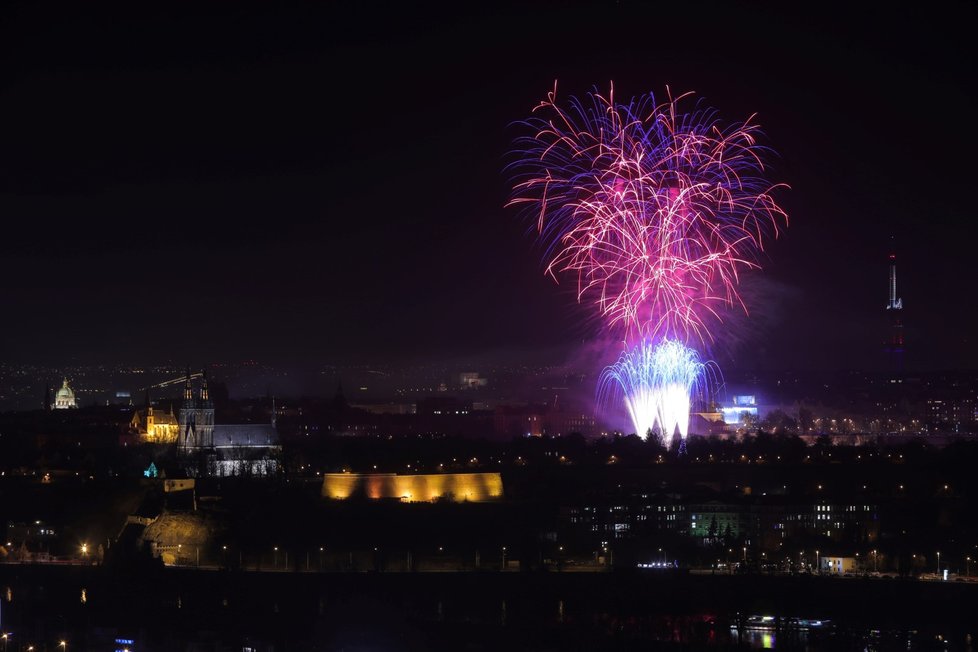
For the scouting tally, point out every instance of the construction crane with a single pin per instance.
(172, 381)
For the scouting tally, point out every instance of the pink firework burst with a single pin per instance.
(654, 212)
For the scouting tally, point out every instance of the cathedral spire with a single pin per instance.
(188, 390)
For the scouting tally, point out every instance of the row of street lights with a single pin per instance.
(6, 636)
(322, 551)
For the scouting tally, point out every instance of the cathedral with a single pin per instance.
(249, 449)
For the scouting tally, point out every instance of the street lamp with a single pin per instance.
(938, 562)
(63, 645)
(874, 561)
(967, 561)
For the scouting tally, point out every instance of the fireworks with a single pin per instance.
(651, 211)
(656, 382)
(654, 213)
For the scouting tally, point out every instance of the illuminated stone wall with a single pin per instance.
(457, 487)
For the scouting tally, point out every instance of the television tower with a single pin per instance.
(894, 309)
(895, 303)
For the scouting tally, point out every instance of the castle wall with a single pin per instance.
(457, 487)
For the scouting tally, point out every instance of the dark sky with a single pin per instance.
(323, 184)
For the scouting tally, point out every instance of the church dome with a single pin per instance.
(65, 398)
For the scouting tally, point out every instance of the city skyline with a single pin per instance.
(585, 325)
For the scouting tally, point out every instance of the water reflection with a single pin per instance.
(506, 611)
(764, 640)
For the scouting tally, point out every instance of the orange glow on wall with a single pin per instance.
(456, 487)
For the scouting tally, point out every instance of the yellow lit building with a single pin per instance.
(454, 487)
(154, 426)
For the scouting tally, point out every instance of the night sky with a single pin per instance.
(295, 184)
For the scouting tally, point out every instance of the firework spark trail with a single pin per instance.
(652, 211)
(656, 382)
